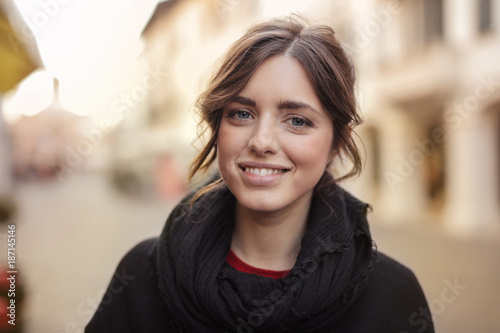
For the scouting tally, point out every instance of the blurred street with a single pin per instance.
(72, 234)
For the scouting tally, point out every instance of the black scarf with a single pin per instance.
(204, 294)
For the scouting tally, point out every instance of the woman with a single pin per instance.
(273, 244)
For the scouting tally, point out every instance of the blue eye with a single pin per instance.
(298, 122)
(240, 117)
(243, 114)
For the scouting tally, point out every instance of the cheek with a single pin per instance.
(315, 152)
(229, 145)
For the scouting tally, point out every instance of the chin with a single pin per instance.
(259, 203)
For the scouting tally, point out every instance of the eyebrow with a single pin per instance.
(244, 101)
(287, 104)
(296, 105)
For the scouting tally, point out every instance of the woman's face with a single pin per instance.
(275, 139)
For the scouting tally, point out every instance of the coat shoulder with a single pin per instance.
(393, 301)
(132, 302)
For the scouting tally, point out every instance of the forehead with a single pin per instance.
(281, 77)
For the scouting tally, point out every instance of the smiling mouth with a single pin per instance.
(264, 171)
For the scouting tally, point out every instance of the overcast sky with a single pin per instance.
(91, 46)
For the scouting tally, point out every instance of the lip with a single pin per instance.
(254, 179)
(262, 165)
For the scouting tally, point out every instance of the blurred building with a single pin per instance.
(430, 84)
(49, 144)
(429, 81)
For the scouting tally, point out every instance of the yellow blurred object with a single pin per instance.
(15, 62)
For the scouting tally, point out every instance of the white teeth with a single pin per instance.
(263, 172)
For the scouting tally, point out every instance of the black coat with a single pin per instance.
(393, 301)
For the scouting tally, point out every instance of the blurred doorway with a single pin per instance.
(429, 143)
(434, 167)
(373, 159)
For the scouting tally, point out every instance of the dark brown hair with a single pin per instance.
(320, 53)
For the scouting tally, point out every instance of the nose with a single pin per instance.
(264, 139)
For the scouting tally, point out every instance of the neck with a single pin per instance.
(270, 240)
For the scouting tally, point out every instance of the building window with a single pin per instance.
(485, 20)
(422, 23)
(433, 20)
